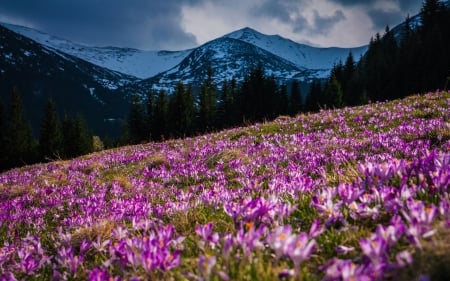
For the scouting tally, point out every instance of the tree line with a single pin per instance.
(58, 139)
(413, 59)
(187, 112)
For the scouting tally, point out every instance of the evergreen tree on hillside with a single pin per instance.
(283, 101)
(50, 138)
(20, 147)
(252, 95)
(149, 114)
(224, 106)
(2, 137)
(136, 122)
(159, 128)
(181, 111)
(207, 103)
(333, 93)
(295, 98)
(76, 139)
(82, 136)
(347, 83)
(315, 96)
(68, 137)
(235, 114)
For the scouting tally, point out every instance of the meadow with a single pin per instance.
(357, 193)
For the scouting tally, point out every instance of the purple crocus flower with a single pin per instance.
(300, 248)
(205, 232)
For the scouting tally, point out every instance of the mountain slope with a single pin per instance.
(351, 194)
(139, 63)
(75, 85)
(228, 58)
(301, 55)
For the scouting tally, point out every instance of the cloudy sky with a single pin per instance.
(181, 24)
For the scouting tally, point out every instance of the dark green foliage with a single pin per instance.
(159, 128)
(50, 138)
(150, 107)
(283, 100)
(136, 122)
(295, 98)
(415, 61)
(181, 111)
(333, 93)
(76, 139)
(2, 137)
(20, 147)
(315, 96)
(207, 103)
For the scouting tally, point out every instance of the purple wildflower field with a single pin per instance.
(351, 194)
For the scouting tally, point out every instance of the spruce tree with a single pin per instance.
(295, 101)
(2, 138)
(149, 114)
(50, 138)
(159, 128)
(283, 101)
(83, 138)
(333, 93)
(314, 99)
(136, 124)
(20, 147)
(188, 112)
(207, 103)
(68, 137)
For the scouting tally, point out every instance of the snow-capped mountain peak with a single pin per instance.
(138, 63)
(302, 55)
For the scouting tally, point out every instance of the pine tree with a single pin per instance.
(181, 111)
(3, 163)
(159, 128)
(314, 99)
(347, 87)
(20, 147)
(207, 103)
(76, 138)
(283, 101)
(333, 93)
(188, 112)
(50, 138)
(149, 114)
(82, 136)
(295, 101)
(224, 106)
(136, 122)
(68, 137)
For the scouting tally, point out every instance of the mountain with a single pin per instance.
(312, 62)
(228, 58)
(75, 85)
(138, 63)
(318, 59)
(232, 55)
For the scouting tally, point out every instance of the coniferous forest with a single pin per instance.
(414, 59)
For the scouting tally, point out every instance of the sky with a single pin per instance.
(183, 24)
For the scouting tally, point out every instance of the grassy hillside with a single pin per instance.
(352, 194)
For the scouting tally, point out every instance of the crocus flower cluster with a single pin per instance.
(348, 194)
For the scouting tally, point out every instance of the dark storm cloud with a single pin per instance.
(323, 24)
(287, 12)
(137, 23)
(380, 18)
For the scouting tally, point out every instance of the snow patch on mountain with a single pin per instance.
(303, 56)
(138, 63)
